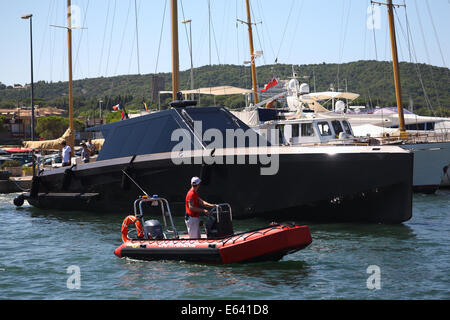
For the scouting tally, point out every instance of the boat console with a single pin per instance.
(219, 223)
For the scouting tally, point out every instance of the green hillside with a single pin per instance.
(373, 80)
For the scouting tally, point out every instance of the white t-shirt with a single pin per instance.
(66, 154)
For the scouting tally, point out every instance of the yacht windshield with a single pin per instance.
(347, 128)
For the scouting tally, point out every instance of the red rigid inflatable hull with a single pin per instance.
(265, 244)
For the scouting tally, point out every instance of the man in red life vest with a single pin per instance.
(194, 208)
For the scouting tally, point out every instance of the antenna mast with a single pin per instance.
(398, 86)
(175, 56)
(252, 53)
(69, 39)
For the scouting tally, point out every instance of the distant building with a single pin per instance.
(20, 87)
(18, 121)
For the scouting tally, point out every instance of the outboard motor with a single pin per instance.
(153, 229)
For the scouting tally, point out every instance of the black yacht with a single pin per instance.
(145, 155)
(371, 184)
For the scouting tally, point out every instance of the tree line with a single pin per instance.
(426, 88)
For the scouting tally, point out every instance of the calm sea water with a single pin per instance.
(39, 247)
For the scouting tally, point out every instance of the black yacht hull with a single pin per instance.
(364, 185)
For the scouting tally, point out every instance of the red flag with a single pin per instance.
(271, 84)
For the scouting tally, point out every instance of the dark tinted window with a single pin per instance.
(307, 130)
(337, 127)
(295, 131)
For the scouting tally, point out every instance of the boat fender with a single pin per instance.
(18, 201)
(128, 220)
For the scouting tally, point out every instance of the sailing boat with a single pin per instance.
(140, 154)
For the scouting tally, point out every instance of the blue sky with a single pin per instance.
(294, 31)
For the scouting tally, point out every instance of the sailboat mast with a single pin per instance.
(398, 86)
(71, 141)
(252, 53)
(175, 54)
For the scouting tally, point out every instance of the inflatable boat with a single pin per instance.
(219, 244)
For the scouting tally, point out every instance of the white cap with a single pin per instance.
(195, 181)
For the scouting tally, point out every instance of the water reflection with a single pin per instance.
(358, 231)
(179, 280)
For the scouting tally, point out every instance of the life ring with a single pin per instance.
(138, 224)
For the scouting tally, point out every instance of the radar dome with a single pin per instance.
(339, 106)
(304, 88)
(293, 84)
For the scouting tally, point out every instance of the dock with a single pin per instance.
(13, 185)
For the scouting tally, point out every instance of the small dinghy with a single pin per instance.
(220, 245)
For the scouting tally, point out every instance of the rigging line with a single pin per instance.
(422, 33)
(342, 44)
(52, 43)
(341, 31)
(189, 44)
(365, 40)
(111, 36)
(123, 37)
(427, 56)
(209, 29)
(257, 34)
(296, 28)
(401, 27)
(373, 29)
(137, 36)
(132, 51)
(214, 37)
(88, 54)
(263, 43)
(387, 43)
(265, 25)
(128, 77)
(185, 25)
(237, 35)
(427, 100)
(81, 36)
(131, 54)
(51, 4)
(409, 34)
(104, 37)
(64, 56)
(160, 37)
(435, 33)
(285, 29)
(224, 36)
